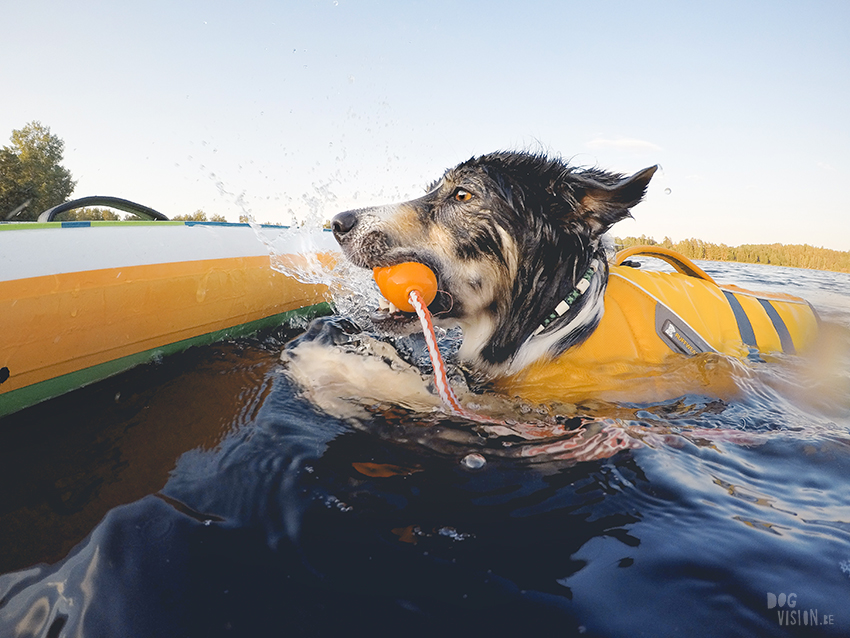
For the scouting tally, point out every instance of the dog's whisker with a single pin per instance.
(451, 303)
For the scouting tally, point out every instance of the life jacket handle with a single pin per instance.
(681, 263)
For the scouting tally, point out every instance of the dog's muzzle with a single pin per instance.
(343, 223)
(359, 234)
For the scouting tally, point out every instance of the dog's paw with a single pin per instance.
(343, 371)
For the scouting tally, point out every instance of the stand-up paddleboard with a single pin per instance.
(80, 301)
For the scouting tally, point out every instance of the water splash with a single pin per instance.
(305, 251)
(308, 254)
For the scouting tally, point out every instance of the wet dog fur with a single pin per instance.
(509, 235)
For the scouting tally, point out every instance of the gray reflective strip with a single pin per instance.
(677, 334)
(780, 327)
(815, 313)
(745, 328)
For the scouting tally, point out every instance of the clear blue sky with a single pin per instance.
(313, 107)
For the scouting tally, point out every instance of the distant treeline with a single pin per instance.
(105, 214)
(795, 255)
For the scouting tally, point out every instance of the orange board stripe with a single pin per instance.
(58, 324)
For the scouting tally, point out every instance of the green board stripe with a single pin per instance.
(30, 395)
(126, 223)
(83, 224)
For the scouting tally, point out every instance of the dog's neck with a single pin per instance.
(568, 302)
(549, 330)
(572, 320)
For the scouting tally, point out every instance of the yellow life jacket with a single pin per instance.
(650, 317)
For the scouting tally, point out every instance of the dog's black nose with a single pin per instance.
(342, 224)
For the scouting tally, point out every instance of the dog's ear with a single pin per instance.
(603, 204)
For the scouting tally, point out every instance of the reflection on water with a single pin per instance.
(206, 496)
(74, 458)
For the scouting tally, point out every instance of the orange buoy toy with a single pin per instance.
(397, 282)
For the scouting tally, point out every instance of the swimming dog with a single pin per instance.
(509, 235)
(516, 241)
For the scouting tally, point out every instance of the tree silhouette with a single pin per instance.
(199, 216)
(804, 256)
(31, 176)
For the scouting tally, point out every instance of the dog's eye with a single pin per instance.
(462, 195)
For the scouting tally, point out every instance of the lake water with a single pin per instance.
(204, 496)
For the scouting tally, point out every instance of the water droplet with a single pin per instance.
(473, 461)
(452, 533)
(667, 191)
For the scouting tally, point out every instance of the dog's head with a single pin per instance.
(508, 235)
